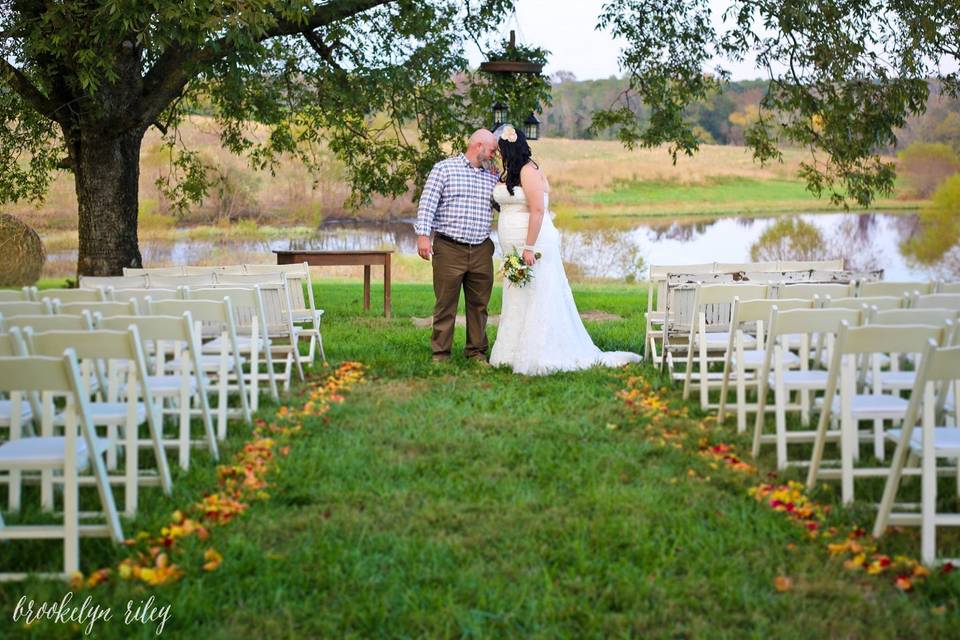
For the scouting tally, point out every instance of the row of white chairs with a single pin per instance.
(851, 361)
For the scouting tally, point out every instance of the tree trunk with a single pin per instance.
(107, 177)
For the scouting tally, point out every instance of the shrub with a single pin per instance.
(924, 167)
(21, 253)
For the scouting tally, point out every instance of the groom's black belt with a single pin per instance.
(463, 244)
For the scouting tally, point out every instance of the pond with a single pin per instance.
(616, 248)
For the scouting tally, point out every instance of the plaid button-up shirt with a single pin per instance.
(456, 201)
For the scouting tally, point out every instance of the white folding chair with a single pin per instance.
(140, 295)
(816, 290)
(64, 296)
(881, 303)
(159, 271)
(15, 295)
(895, 289)
(24, 308)
(68, 454)
(277, 312)
(896, 379)
(214, 318)
(113, 282)
(179, 379)
(251, 340)
(813, 329)
(742, 361)
(128, 403)
(710, 334)
(939, 370)
(172, 281)
(304, 310)
(843, 405)
(190, 270)
(938, 301)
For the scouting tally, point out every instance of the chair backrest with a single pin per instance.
(888, 288)
(812, 321)
(15, 295)
(80, 322)
(191, 270)
(809, 290)
(298, 278)
(9, 309)
(246, 304)
(172, 281)
(902, 338)
(208, 311)
(178, 328)
(948, 287)
(274, 295)
(879, 302)
(943, 364)
(725, 293)
(39, 373)
(938, 301)
(159, 271)
(914, 316)
(797, 265)
(74, 295)
(98, 344)
(759, 310)
(105, 309)
(140, 295)
(11, 343)
(114, 282)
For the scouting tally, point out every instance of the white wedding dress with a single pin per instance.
(540, 329)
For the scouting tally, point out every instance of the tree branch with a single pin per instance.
(175, 68)
(25, 89)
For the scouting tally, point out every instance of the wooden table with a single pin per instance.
(346, 258)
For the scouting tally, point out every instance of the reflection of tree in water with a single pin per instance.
(605, 253)
(789, 239)
(935, 243)
(852, 241)
(680, 231)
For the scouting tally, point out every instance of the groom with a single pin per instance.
(455, 210)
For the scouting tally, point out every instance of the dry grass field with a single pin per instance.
(588, 178)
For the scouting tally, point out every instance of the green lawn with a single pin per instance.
(716, 190)
(454, 500)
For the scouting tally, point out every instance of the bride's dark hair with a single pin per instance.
(515, 156)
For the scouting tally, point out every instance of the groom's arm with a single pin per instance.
(427, 211)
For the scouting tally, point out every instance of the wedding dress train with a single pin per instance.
(540, 329)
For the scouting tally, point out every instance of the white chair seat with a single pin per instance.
(170, 385)
(47, 451)
(753, 359)
(6, 411)
(810, 379)
(209, 362)
(720, 340)
(107, 413)
(894, 379)
(946, 440)
(244, 343)
(871, 407)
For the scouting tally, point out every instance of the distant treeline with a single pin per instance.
(720, 120)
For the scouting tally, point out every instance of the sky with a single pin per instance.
(567, 28)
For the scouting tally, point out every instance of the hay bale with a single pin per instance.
(21, 253)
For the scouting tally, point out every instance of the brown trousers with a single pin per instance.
(470, 267)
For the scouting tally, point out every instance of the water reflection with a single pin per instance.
(901, 244)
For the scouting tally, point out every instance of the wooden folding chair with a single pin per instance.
(742, 361)
(304, 310)
(814, 329)
(939, 370)
(843, 405)
(179, 379)
(68, 454)
(128, 403)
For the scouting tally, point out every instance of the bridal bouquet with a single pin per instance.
(516, 270)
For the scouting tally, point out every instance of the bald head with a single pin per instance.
(481, 147)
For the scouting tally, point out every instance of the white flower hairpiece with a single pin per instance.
(509, 133)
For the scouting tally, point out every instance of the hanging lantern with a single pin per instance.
(531, 127)
(499, 114)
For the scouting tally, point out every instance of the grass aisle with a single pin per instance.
(454, 500)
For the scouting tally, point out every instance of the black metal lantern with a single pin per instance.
(531, 127)
(499, 114)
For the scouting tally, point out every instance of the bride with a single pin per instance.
(540, 329)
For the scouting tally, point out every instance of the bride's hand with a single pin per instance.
(529, 258)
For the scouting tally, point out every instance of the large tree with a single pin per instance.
(843, 75)
(384, 84)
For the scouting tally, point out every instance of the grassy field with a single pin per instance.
(455, 500)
